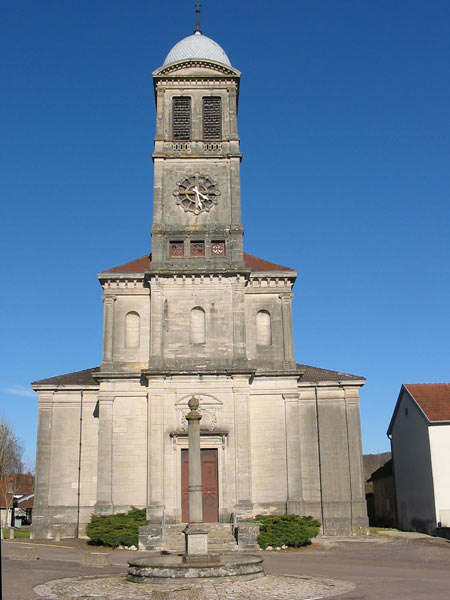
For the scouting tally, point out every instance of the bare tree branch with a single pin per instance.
(11, 451)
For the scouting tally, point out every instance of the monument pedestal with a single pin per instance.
(195, 541)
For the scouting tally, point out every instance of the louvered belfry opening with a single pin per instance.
(181, 112)
(212, 118)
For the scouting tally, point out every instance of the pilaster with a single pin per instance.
(156, 322)
(243, 473)
(359, 506)
(295, 503)
(286, 315)
(155, 420)
(239, 346)
(43, 452)
(104, 504)
(108, 332)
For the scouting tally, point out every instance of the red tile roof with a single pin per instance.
(254, 263)
(315, 375)
(259, 264)
(433, 399)
(77, 378)
(138, 265)
(86, 377)
(19, 484)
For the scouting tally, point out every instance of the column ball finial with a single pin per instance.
(193, 403)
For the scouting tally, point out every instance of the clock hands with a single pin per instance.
(199, 195)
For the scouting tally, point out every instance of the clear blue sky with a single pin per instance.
(345, 129)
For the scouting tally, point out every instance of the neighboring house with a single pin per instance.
(420, 442)
(24, 510)
(14, 488)
(383, 497)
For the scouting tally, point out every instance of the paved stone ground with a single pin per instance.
(116, 587)
(379, 568)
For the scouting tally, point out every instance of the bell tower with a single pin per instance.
(196, 205)
(197, 273)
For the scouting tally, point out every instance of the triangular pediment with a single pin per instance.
(196, 68)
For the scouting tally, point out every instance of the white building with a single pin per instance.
(420, 441)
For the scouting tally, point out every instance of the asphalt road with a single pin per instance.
(386, 569)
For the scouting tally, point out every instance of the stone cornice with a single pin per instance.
(352, 383)
(169, 70)
(38, 387)
(168, 372)
(200, 277)
(274, 281)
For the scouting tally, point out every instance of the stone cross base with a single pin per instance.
(196, 541)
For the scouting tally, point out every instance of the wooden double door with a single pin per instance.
(210, 485)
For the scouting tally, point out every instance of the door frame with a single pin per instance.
(207, 442)
(214, 460)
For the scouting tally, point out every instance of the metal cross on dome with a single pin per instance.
(197, 11)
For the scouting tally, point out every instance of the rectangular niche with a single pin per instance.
(176, 249)
(217, 248)
(197, 249)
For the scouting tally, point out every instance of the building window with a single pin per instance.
(198, 326)
(181, 118)
(212, 118)
(263, 328)
(176, 249)
(218, 248)
(197, 248)
(132, 330)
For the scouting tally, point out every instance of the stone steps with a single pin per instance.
(220, 537)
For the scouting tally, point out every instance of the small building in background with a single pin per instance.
(384, 512)
(372, 462)
(420, 442)
(14, 488)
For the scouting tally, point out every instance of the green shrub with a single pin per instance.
(288, 530)
(116, 530)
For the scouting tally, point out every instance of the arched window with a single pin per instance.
(263, 328)
(132, 330)
(198, 326)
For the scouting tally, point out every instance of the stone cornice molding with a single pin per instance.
(290, 373)
(40, 387)
(170, 69)
(206, 278)
(110, 376)
(168, 372)
(342, 383)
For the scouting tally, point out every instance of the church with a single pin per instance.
(198, 316)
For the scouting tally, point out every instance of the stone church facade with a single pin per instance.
(198, 316)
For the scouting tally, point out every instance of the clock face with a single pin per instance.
(196, 193)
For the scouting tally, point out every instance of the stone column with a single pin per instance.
(195, 466)
(108, 331)
(295, 504)
(286, 315)
(196, 538)
(104, 504)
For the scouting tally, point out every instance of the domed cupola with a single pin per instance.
(197, 46)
